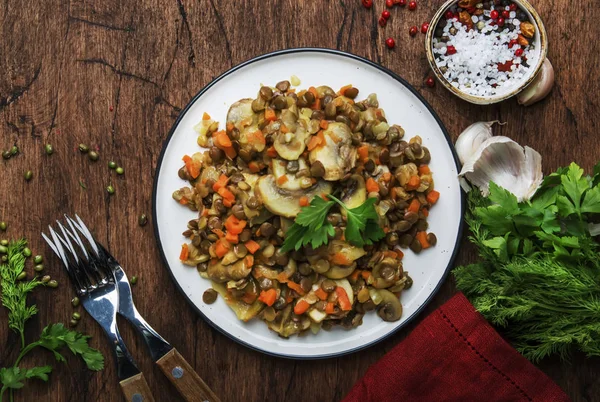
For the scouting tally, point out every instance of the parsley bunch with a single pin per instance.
(311, 225)
(53, 338)
(540, 277)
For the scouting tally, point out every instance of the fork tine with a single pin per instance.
(77, 239)
(86, 232)
(57, 247)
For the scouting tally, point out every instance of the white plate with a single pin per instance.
(402, 104)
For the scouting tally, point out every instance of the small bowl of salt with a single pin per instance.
(486, 51)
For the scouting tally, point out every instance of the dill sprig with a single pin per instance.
(539, 280)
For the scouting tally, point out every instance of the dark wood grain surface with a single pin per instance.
(114, 74)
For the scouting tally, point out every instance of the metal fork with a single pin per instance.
(173, 365)
(99, 296)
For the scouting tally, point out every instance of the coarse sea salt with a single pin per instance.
(474, 69)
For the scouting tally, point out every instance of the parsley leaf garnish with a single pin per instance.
(311, 225)
(53, 338)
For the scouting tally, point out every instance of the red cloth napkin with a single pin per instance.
(454, 355)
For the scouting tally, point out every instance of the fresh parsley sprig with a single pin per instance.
(539, 277)
(54, 337)
(311, 225)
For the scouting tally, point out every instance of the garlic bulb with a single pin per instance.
(472, 137)
(506, 163)
(540, 87)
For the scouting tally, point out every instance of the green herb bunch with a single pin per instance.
(54, 337)
(540, 275)
(311, 225)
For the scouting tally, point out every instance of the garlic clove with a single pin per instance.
(472, 137)
(506, 163)
(540, 87)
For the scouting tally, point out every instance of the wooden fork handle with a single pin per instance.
(136, 389)
(186, 380)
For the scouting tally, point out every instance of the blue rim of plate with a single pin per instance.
(286, 52)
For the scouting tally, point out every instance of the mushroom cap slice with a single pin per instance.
(243, 118)
(223, 273)
(293, 149)
(292, 183)
(243, 311)
(339, 271)
(284, 202)
(356, 195)
(337, 155)
(390, 308)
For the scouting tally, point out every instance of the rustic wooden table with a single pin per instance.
(115, 74)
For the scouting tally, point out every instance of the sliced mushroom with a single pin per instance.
(337, 155)
(291, 182)
(390, 308)
(353, 253)
(290, 145)
(356, 194)
(386, 273)
(339, 272)
(241, 115)
(284, 202)
(249, 179)
(222, 273)
(243, 311)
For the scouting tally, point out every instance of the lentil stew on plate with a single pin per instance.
(291, 164)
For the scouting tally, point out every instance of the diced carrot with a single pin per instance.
(185, 252)
(301, 307)
(284, 129)
(271, 152)
(314, 142)
(363, 153)
(343, 299)
(226, 194)
(372, 186)
(254, 167)
(193, 167)
(232, 238)
(316, 105)
(288, 299)
(422, 238)
(252, 246)
(295, 287)
(281, 180)
(222, 246)
(221, 182)
(183, 201)
(329, 308)
(313, 90)
(222, 140)
(400, 254)
(413, 183)
(205, 116)
(340, 258)
(433, 196)
(230, 152)
(424, 169)
(365, 274)
(324, 124)
(257, 137)
(304, 202)
(227, 203)
(387, 176)
(229, 126)
(219, 233)
(268, 296)
(321, 294)
(270, 115)
(391, 254)
(249, 260)
(355, 274)
(343, 89)
(204, 212)
(414, 206)
(235, 225)
(425, 212)
(324, 197)
(386, 230)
